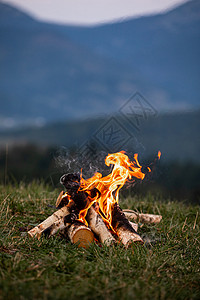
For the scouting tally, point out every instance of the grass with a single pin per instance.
(166, 268)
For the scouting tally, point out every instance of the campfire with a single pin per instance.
(89, 208)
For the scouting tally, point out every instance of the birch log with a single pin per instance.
(134, 225)
(62, 200)
(58, 216)
(122, 226)
(143, 218)
(98, 226)
(80, 234)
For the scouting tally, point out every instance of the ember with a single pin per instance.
(89, 208)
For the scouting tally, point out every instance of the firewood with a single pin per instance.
(59, 199)
(55, 217)
(57, 221)
(123, 228)
(80, 234)
(142, 218)
(62, 200)
(98, 226)
(83, 200)
(59, 225)
(134, 225)
(49, 226)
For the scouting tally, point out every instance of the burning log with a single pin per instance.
(66, 215)
(80, 234)
(95, 200)
(59, 220)
(98, 226)
(81, 199)
(52, 225)
(62, 200)
(142, 218)
(122, 226)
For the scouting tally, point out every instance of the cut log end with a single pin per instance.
(80, 234)
(35, 232)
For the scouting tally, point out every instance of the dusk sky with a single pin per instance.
(91, 11)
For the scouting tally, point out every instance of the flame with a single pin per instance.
(108, 187)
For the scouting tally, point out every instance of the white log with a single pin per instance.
(98, 226)
(128, 237)
(134, 225)
(57, 216)
(127, 234)
(142, 218)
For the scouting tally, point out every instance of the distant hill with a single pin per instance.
(163, 49)
(175, 135)
(50, 72)
(45, 74)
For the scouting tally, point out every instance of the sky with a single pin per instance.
(89, 12)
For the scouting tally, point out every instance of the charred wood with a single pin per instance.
(123, 228)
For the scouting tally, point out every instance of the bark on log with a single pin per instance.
(98, 226)
(142, 218)
(58, 221)
(80, 234)
(122, 226)
(58, 216)
(62, 200)
(134, 225)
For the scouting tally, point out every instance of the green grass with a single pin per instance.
(166, 268)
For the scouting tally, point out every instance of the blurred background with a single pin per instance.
(81, 79)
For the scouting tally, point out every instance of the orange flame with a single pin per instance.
(110, 185)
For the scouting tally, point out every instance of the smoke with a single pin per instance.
(68, 161)
(88, 163)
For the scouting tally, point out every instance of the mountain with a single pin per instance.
(164, 49)
(50, 72)
(12, 17)
(45, 74)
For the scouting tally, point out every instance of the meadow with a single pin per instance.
(167, 266)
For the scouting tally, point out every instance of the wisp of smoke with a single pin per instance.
(76, 162)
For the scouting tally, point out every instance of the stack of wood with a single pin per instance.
(75, 203)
